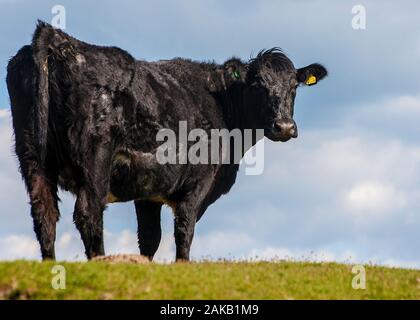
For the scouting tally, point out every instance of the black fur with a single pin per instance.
(85, 118)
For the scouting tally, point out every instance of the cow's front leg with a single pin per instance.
(91, 201)
(88, 217)
(149, 229)
(185, 219)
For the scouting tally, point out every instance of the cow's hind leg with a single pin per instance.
(45, 213)
(42, 190)
(40, 180)
(149, 228)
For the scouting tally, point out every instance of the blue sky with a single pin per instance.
(347, 190)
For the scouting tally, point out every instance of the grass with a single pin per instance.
(205, 280)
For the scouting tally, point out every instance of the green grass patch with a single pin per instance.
(205, 280)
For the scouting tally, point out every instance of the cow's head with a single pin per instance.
(270, 83)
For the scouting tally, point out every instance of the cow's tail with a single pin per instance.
(41, 41)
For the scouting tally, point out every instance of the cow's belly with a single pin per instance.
(67, 181)
(136, 176)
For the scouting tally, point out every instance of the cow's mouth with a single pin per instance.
(275, 136)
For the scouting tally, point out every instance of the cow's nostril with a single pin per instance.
(292, 131)
(286, 128)
(276, 126)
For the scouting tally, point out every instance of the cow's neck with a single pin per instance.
(230, 95)
(236, 113)
(234, 108)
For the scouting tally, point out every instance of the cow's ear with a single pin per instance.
(235, 69)
(311, 74)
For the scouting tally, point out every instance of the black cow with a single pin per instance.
(85, 118)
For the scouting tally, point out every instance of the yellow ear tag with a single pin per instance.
(311, 80)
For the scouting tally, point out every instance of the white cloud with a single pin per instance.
(340, 157)
(18, 247)
(65, 240)
(123, 242)
(216, 244)
(375, 198)
(405, 105)
(4, 113)
(337, 175)
(166, 251)
(393, 117)
(398, 112)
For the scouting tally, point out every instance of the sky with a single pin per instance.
(347, 190)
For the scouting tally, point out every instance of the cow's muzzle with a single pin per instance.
(282, 130)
